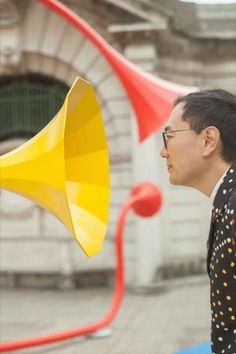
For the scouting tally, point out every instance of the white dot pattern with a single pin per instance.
(222, 266)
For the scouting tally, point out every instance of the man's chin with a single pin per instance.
(173, 180)
(176, 182)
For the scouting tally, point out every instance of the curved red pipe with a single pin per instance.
(151, 97)
(117, 298)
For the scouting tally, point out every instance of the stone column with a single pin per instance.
(148, 250)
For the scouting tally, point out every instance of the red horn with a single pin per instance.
(151, 97)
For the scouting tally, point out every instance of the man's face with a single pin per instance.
(183, 151)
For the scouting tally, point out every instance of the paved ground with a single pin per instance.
(158, 323)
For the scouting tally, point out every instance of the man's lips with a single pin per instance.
(169, 167)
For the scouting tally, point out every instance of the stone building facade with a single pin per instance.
(176, 40)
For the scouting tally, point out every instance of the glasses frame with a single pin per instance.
(165, 139)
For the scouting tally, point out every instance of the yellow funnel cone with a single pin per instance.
(65, 168)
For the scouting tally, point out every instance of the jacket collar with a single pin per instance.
(223, 193)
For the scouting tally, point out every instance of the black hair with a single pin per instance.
(213, 107)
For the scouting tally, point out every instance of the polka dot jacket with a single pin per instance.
(221, 264)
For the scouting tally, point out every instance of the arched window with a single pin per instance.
(28, 103)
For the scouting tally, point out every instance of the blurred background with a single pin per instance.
(187, 42)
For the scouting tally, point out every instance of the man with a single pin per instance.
(200, 152)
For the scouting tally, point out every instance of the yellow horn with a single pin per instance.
(65, 168)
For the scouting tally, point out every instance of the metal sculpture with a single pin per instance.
(65, 168)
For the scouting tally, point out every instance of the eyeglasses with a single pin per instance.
(165, 137)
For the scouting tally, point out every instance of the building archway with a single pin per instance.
(53, 51)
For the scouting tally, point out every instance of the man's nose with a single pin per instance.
(164, 152)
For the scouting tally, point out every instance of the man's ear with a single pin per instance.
(211, 138)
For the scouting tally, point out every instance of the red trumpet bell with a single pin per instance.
(147, 199)
(151, 97)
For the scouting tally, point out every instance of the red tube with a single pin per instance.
(145, 195)
(118, 294)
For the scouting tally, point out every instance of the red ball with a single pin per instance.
(148, 199)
